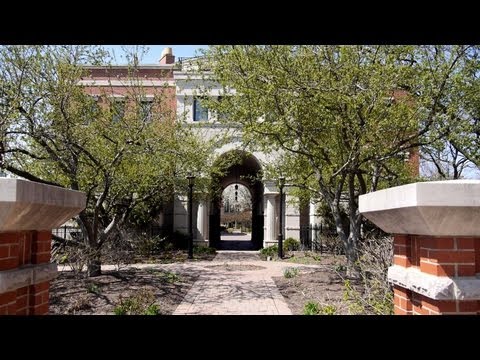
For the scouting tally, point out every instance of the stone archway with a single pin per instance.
(244, 171)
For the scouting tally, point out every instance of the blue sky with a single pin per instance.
(154, 51)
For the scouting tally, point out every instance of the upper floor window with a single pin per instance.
(118, 110)
(146, 110)
(200, 113)
(221, 115)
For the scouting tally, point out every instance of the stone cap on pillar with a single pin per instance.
(270, 187)
(27, 205)
(436, 208)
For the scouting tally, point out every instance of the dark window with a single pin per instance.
(221, 115)
(118, 110)
(146, 110)
(200, 113)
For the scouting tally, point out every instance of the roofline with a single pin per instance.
(163, 66)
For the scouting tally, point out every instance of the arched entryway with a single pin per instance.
(245, 170)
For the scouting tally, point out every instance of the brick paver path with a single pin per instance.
(228, 287)
(234, 283)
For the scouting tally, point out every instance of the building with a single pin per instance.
(181, 88)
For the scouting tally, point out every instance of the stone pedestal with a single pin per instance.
(436, 227)
(28, 213)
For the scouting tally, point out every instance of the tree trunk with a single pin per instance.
(351, 250)
(349, 241)
(94, 267)
(92, 252)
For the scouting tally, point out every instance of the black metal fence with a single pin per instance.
(68, 232)
(318, 237)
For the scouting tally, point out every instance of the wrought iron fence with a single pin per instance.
(68, 232)
(318, 237)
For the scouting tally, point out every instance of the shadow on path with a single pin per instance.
(235, 241)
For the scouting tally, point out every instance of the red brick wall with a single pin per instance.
(18, 249)
(439, 256)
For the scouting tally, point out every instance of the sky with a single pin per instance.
(154, 51)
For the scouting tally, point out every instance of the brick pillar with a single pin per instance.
(451, 258)
(436, 227)
(28, 212)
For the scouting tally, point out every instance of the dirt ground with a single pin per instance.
(75, 295)
(72, 294)
(324, 286)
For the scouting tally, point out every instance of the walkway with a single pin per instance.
(236, 283)
(235, 241)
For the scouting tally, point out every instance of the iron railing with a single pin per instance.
(318, 237)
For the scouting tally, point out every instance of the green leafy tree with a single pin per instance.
(343, 120)
(54, 132)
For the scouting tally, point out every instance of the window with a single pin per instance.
(118, 110)
(146, 110)
(200, 113)
(221, 115)
(91, 110)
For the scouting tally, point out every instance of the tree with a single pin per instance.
(443, 161)
(54, 132)
(343, 120)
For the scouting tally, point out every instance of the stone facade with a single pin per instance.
(171, 78)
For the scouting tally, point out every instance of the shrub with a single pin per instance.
(93, 288)
(204, 250)
(291, 244)
(313, 308)
(142, 302)
(328, 310)
(145, 245)
(271, 251)
(179, 240)
(289, 273)
(375, 296)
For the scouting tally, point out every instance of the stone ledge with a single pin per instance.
(437, 208)
(28, 275)
(27, 205)
(270, 187)
(435, 287)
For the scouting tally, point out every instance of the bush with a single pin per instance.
(291, 244)
(178, 239)
(289, 273)
(313, 308)
(375, 296)
(333, 244)
(204, 250)
(142, 302)
(93, 288)
(271, 251)
(145, 245)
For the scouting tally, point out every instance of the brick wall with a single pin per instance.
(24, 250)
(452, 257)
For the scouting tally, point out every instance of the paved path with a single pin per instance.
(235, 241)
(228, 287)
(234, 283)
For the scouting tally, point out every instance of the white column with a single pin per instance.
(202, 221)
(270, 221)
(314, 219)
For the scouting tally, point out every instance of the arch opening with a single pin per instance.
(244, 173)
